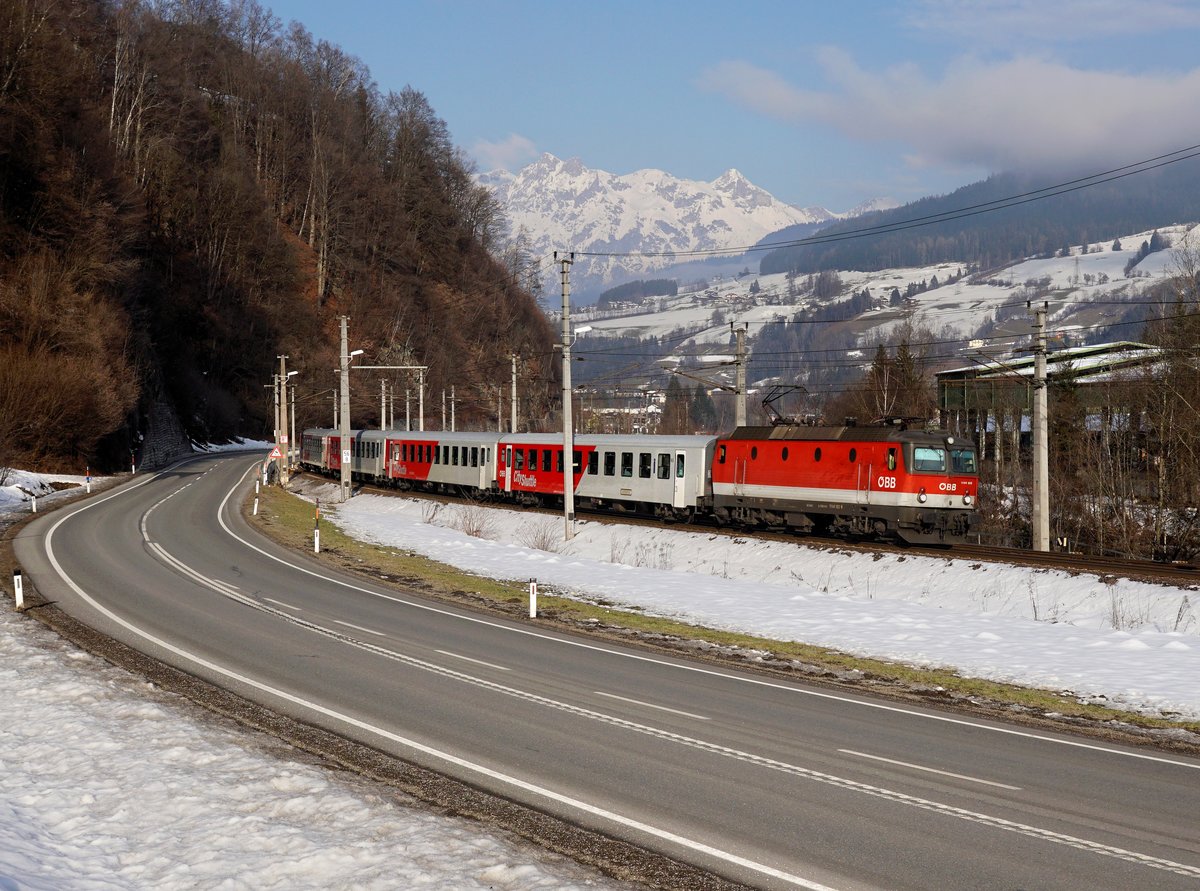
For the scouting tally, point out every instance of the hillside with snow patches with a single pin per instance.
(1080, 289)
(565, 205)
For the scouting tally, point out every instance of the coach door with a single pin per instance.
(508, 468)
(679, 493)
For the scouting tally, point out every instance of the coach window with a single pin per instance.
(645, 464)
(853, 455)
(446, 454)
(627, 464)
(474, 456)
(610, 463)
(679, 467)
(532, 460)
(558, 463)
(520, 460)
(817, 454)
(576, 461)
(593, 463)
(891, 461)
(547, 457)
(664, 465)
(454, 456)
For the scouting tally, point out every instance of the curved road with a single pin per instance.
(769, 783)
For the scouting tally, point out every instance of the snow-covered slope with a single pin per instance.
(960, 309)
(564, 205)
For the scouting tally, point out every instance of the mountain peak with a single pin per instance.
(565, 204)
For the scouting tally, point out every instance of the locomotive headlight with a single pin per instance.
(921, 496)
(967, 499)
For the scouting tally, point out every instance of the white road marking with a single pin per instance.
(359, 628)
(476, 661)
(281, 603)
(945, 773)
(759, 682)
(661, 708)
(446, 757)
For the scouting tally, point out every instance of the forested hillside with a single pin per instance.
(1097, 213)
(187, 191)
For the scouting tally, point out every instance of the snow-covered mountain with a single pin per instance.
(566, 206)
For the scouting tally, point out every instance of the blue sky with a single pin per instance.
(821, 103)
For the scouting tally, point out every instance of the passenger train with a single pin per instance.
(879, 482)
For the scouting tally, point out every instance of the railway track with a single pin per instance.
(1179, 574)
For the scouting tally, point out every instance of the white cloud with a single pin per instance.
(509, 154)
(1023, 113)
(992, 21)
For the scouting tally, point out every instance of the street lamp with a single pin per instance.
(344, 426)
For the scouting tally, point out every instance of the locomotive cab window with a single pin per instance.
(784, 453)
(817, 453)
(891, 461)
(721, 454)
(927, 459)
(963, 461)
(753, 453)
(853, 455)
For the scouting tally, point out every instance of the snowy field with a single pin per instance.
(1127, 644)
(107, 783)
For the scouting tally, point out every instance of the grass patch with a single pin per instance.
(289, 520)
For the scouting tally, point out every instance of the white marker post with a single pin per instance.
(533, 598)
(88, 473)
(33, 503)
(317, 529)
(256, 507)
(18, 593)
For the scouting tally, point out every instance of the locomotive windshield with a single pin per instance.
(962, 460)
(937, 459)
(926, 459)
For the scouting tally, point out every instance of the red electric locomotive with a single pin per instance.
(909, 485)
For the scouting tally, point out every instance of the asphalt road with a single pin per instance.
(770, 783)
